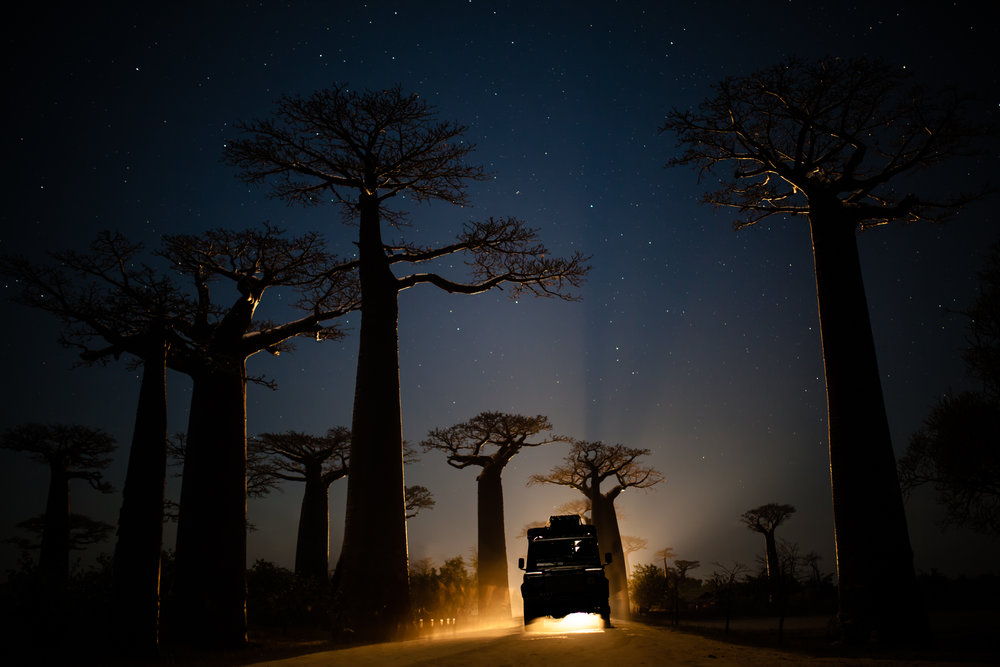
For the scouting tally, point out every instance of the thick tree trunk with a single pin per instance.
(372, 589)
(877, 584)
(140, 523)
(211, 532)
(610, 541)
(494, 589)
(618, 573)
(312, 549)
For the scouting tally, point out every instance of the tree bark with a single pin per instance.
(312, 549)
(372, 597)
(610, 541)
(494, 589)
(140, 522)
(877, 584)
(211, 532)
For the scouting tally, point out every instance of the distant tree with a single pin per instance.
(811, 560)
(954, 451)
(489, 441)
(835, 141)
(585, 468)
(765, 520)
(448, 592)
(579, 507)
(648, 587)
(70, 451)
(676, 578)
(723, 580)
(631, 544)
(418, 498)
(316, 461)
(358, 150)
(664, 554)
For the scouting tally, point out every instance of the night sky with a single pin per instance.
(692, 340)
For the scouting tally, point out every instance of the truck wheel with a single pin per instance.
(529, 615)
(606, 617)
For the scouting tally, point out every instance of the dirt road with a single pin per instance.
(625, 645)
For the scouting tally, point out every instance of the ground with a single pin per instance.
(962, 639)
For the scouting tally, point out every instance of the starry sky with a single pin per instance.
(692, 340)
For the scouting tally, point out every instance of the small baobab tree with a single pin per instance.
(489, 441)
(70, 451)
(765, 520)
(316, 461)
(586, 467)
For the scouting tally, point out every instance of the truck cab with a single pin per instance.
(564, 573)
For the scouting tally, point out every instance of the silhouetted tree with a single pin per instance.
(631, 544)
(585, 468)
(70, 451)
(317, 461)
(676, 578)
(954, 450)
(110, 303)
(648, 587)
(418, 498)
(834, 140)
(489, 441)
(448, 592)
(210, 588)
(359, 150)
(765, 520)
(723, 580)
(663, 554)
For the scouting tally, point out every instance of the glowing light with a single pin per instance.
(572, 624)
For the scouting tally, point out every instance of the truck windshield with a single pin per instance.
(562, 551)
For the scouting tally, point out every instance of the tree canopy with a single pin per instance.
(840, 129)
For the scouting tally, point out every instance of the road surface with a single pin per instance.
(555, 645)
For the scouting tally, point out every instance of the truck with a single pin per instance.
(564, 573)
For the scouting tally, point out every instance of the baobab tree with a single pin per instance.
(317, 461)
(585, 468)
(837, 141)
(359, 150)
(765, 520)
(489, 441)
(210, 567)
(110, 303)
(663, 554)
(70, 451)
